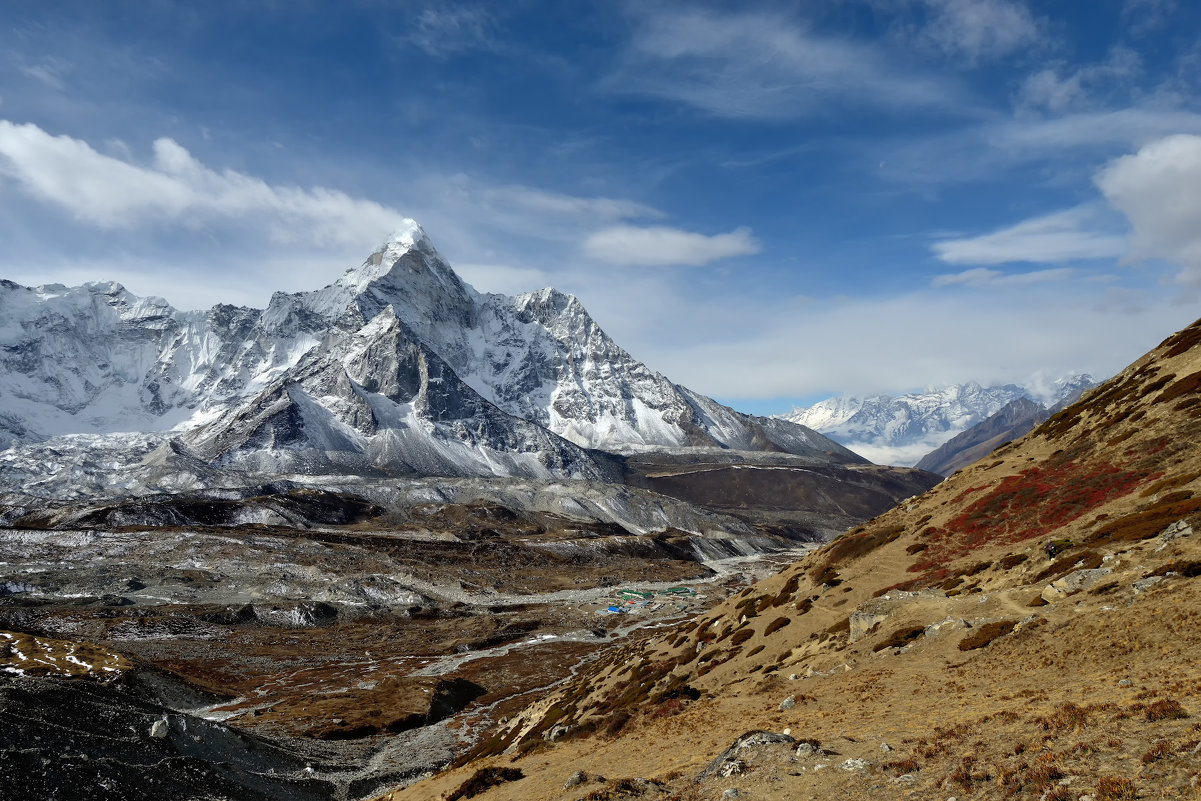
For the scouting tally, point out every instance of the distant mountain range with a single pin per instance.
(903, 429)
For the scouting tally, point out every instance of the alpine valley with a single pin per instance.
(319, 550)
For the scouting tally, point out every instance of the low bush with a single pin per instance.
(901, 637)
(986, 634)
(1167, 709)
(483, 780)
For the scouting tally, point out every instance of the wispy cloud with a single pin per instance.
(1060, 87)
(659, 246)
(984, 277)
(114, 193)
(49, 71)
(759, 65)
(1157, 189)
(979, 29)
(1052, 238)
(1142, 17)
(446, 30)
(1072, 143)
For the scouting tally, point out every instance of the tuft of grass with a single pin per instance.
(1068, 716)
(902, 766)
(776, 625)
(1113, 788)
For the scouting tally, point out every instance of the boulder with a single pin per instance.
(1073, 582)
(730, 763)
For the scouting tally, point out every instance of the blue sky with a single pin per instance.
(768, 202)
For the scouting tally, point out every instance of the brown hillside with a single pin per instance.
(1030, 628)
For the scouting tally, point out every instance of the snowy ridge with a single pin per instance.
(902, 429)
(398, 367)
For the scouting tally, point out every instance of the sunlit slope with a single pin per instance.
(1033, 619)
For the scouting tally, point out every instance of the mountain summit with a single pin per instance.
(399, 366)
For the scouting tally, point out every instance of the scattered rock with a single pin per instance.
(793, 677)
(159, 728)
(862, 623)
(1180, 528)
(575, 780)
(733, 792)
(885, 747)
(1142, 585)
(1125, 683)
(787, 703)
(855, 764)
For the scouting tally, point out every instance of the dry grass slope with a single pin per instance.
(1028, 629)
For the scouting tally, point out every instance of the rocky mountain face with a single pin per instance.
(902, 429)
(397, 367)
(1012, 421)
(1026, 629)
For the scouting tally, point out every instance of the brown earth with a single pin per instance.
(1030, 628)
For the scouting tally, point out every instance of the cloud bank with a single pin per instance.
(113, 193)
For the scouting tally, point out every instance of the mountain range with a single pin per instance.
(902, 429)
(398, 367)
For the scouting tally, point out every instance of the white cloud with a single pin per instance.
(980, 28)
(659, 246)
(503, 278)
(114, 193)
(1159, 190)
(1062, 236)
(754, 65)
